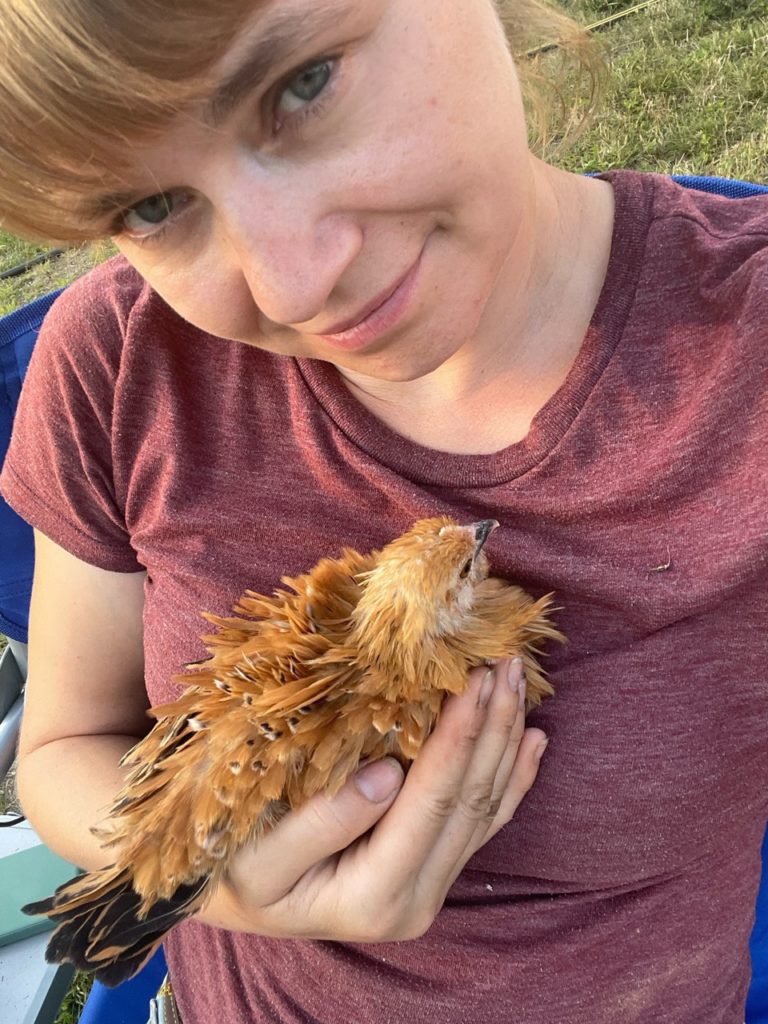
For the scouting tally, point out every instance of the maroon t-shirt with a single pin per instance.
(624, 888)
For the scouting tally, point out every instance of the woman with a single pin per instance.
(349, 297)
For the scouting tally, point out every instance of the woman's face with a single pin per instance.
(352, 192)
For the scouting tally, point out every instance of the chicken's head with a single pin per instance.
(423, 584)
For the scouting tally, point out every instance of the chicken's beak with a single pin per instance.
(483, 530)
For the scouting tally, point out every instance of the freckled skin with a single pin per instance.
(351, 662)
(287, 236)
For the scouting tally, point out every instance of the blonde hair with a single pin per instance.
(82, 82)
(561, 71)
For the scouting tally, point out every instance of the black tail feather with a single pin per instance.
(107, 936)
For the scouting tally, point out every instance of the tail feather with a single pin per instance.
(103, 927)
(79, 891)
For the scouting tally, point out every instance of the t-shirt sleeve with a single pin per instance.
(58, 472)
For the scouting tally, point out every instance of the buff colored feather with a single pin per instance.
(351, 662)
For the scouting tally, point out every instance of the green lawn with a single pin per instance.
(45, 277)
(687, 93)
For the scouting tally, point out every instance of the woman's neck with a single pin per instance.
(484, 398)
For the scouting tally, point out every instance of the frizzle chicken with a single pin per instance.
(352, 663)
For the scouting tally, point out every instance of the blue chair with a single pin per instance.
(129, 1002)
(731, 187)
(757, 1000)
(18, 333)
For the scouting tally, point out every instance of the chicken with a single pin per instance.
(352, 662)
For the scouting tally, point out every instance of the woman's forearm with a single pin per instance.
(67, 786)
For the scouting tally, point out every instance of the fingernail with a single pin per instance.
(516, 679)
(379, 780)
(539, 751)
(487, 688)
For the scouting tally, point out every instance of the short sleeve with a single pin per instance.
(58, 473)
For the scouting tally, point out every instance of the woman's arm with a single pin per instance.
(85, 702)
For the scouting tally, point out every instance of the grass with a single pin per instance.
(45, 277)
(75, 999)
(687, 94)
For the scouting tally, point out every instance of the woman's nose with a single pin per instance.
(291, 246)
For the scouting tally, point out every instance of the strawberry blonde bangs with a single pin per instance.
(83, 82)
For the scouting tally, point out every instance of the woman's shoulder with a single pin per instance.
(719, 204)
(713, 215)
(711, 235)
(717, 245)
(102, 303)
(722, 207)
(698, 256)
(107, 324)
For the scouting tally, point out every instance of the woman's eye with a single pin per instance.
(304, 87)
(148, 216)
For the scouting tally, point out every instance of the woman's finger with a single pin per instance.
(508, 792)
(438, 788)
(522, 777)
(485, 783)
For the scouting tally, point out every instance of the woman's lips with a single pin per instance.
(383, 313)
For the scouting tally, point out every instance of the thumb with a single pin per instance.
(379, 781)
(324, 825)
(333, 822)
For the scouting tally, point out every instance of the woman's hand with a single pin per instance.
(375, 862)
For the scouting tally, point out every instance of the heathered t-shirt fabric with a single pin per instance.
(623, 890)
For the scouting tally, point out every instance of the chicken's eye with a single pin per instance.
(466, 569)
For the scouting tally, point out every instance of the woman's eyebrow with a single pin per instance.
(274, 45)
